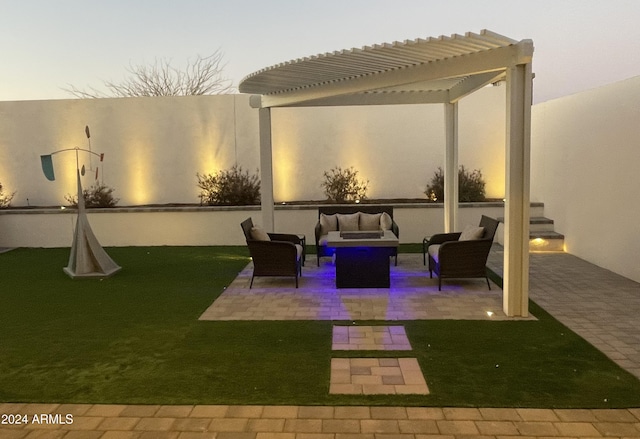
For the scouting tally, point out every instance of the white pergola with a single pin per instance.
(439, 70)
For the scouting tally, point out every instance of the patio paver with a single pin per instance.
(377, 376)
(370, 338)
(597, 304)
(261, 422)
(412, 296)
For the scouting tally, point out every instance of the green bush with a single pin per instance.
(5, 199)
(98, 195)
(231, 187)
(342, 185)
(471, 186)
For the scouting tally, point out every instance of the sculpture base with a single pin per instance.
(94, 275)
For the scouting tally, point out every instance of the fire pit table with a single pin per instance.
(362, 258)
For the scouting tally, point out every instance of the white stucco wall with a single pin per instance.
(397, 148)
(585, 158)
(154, 146)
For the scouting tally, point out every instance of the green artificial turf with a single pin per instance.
(135, 338)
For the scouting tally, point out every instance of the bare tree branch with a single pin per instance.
(203, 76)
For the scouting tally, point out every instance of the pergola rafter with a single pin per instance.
(423, 71)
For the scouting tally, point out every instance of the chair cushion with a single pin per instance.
(298, 251)
(348, 223)
(433, 251)
(386, 221)
(471, 233)
(259, 234)
(328, 223)
(370, 221)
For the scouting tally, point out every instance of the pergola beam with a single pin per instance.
(474, 63)
(474, 83)
(379, 98)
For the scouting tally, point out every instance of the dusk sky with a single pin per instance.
(45, 45)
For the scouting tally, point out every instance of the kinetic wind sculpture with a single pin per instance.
(87, 258)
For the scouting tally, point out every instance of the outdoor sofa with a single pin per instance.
(352, 218)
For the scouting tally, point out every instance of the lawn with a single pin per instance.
(135, 338)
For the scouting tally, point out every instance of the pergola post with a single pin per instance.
(451, 167)
(266, 169)
(518, 151)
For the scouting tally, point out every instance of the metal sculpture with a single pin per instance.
(87, 259)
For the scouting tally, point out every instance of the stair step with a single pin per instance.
(532, 220)
(542, 236)
(538, 224)
(546, 235)
(546, 242)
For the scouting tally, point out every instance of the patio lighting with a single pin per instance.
(490, 313)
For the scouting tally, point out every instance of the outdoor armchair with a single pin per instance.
(273, 254)
(461, 254)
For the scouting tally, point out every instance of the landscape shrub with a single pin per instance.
(231, 187)
(342, 185)
(471, 186)
(5, 198)
(98, 195)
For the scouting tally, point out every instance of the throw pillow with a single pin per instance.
(259, 234)
(470, 233)
(347, 223)
(370, 221)
(385, 221)
(328, 223)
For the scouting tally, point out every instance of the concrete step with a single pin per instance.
(542, 236)
(541, 224)
(537, 224)
(546, 241)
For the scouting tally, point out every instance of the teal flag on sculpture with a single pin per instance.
(47, 166)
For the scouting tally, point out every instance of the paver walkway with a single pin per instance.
(374, 376)
(599, 305)
(309, 422)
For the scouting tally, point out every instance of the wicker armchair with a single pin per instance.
(451, 258)
(278, 255)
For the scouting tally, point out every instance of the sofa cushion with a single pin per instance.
(471, 233)
(328, 223)
(386, 221)
(370, 221)
(259, 234)
(348, 223)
